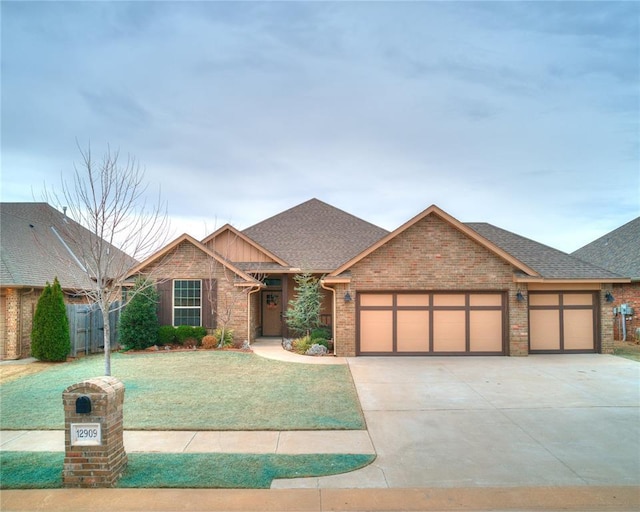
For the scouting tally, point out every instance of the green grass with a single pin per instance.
(629, 352)
(43, 470)
(199, 390)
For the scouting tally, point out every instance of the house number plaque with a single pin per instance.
(86, 434)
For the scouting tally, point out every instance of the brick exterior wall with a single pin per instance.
(20, 305)
(626, 294)
(186, 261)
(431, 255)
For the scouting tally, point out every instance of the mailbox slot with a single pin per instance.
(83, 405)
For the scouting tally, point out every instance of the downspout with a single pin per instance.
(333, 314)
(251, 291)
(19, 343)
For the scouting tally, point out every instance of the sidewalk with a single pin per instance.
(284, 442)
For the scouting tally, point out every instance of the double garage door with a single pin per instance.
(431, 323)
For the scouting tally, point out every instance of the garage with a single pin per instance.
(562, 322)
(431, 323)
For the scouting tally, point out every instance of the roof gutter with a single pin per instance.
(565, 280)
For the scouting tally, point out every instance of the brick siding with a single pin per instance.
(431, 255)
(626, 294)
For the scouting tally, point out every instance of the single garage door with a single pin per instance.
(403, 323)
(562, 322)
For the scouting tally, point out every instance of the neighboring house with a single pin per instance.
(434, 286)
(35, 248)
(619, 252)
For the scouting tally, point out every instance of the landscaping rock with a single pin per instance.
(316, 350)
(287, 344)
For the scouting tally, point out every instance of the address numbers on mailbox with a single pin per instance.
(86, 434)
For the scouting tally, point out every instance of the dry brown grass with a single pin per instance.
(628, 349)
(9, 372)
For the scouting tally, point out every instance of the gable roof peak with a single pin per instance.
(314, 235)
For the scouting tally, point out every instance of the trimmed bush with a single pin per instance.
(190, 335)
(139, 319)
(184, 333)
(323, 333)
(166, 335)
(50, 340)
(209, 342)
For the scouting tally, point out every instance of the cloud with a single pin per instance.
(241, 110)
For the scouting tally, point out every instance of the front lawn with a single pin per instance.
(43, 470)
(200, 390)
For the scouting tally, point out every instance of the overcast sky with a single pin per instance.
(524, 115)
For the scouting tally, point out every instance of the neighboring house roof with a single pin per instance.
(315, 236)
(617, 251)
(549, 263)
(37, 246)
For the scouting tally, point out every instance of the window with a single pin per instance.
(187, 302)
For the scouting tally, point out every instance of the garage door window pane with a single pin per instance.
(449, 299)
(413, 331)
(485, 299)
(411, 299)
(577, 299)
(544, 299)
(448, 331)
(376, 331)
(373, 299)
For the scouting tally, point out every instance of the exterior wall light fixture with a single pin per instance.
(519, 296)
(609, 297)
(347, 297)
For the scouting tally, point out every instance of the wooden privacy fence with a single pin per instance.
(87, 328)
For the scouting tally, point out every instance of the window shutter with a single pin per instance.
(165, 304)
(210, 289)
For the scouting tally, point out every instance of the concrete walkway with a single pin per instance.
(289, 442)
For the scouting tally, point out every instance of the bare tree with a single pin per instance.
(107, 199)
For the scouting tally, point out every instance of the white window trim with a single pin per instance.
(173, 301)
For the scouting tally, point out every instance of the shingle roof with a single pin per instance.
(315, 236)
(36, 247)
(617, 251)
(550, 263)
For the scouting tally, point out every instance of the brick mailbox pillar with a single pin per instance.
(94, 448)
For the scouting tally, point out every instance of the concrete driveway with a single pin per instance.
(543, 420)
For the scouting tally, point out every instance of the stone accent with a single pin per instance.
(96, 465)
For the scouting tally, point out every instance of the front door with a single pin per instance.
(272, 313)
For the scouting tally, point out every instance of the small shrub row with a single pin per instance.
(181, 335)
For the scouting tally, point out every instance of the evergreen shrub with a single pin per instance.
(50, 339)
(139, 319)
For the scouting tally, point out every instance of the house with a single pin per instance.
(38, 243)
(619, 252)
(433, 286)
